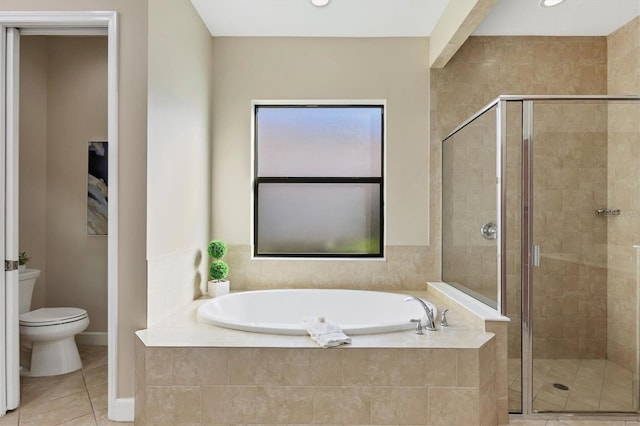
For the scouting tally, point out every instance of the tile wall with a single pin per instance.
(224, 386)
(486, 67)
(404, 268)
(469, 202)
(624, 194)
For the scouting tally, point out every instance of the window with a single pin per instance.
(318, 189)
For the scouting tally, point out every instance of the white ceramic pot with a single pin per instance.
(22, 268)
(218, 288)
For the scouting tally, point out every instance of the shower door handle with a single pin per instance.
(536, 255)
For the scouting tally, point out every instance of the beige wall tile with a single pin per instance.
(259, 366)
(177, 404)
(399, 405)
(445, 403)
(199, 366)
(487, 404)
(440, 370)
(381, 387)
(385, 367)
(405, 268)
(284, 405)
(624, 161)
(229, 404)
(342, 405)
(313, 367)
(158, 366)
(468, 368)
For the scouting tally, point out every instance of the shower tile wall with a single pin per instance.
(470, 202)
(624, 194)
(486, 67)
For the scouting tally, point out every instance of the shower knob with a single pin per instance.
(489, 231)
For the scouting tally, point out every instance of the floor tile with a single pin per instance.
(36, 392)
(56, 411)
(87, 420)
(74, 399)
(99, 401)
(594, 385)
(10, 419)
(95, 376)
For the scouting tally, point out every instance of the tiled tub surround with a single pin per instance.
(190, 372)
(403, 268)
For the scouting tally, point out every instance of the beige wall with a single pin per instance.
(178, 176)
(33, 158)
(132, 116)
(624, 194)
(395, 70)
(70, 110)
(76, 114)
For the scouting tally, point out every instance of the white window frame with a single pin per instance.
(320, 103)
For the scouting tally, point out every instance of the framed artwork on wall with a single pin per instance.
(97, 188)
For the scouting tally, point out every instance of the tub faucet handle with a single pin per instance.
(418, 325)
(443, 319)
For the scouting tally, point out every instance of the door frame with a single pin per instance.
(92, 23)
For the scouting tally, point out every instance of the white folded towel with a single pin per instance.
(324, 333)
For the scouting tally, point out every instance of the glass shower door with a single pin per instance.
(585, 188)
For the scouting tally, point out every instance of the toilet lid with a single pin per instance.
(52, 316)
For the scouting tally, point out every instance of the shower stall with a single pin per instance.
(541, 221)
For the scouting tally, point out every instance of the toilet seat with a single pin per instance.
(44, 317)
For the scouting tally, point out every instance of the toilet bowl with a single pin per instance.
(49, 333)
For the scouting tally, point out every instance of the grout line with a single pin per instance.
(86, 387)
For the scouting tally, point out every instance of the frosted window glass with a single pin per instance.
(310, 218)
(319, 141)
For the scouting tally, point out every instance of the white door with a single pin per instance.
(10, 219)
(3, 298)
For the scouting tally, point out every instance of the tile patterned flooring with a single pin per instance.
(78, 398)
(594, 385)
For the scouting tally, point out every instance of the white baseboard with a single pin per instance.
(123, 410)
(92, 338)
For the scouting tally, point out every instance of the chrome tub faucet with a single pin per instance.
(431, 324)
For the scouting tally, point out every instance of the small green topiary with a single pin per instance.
(217, 249)
(218, 270)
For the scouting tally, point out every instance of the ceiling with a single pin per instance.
(340, 18)
(406, 18)
(571, 18)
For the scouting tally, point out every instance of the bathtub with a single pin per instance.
(281, 311)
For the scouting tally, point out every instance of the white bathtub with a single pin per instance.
(281, 311)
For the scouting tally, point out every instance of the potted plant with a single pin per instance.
(23, 259)
(218, 270)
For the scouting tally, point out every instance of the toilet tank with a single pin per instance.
(27, 282)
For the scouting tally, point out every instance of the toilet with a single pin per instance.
(49, 333)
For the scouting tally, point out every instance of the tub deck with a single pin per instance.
(184, 329)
